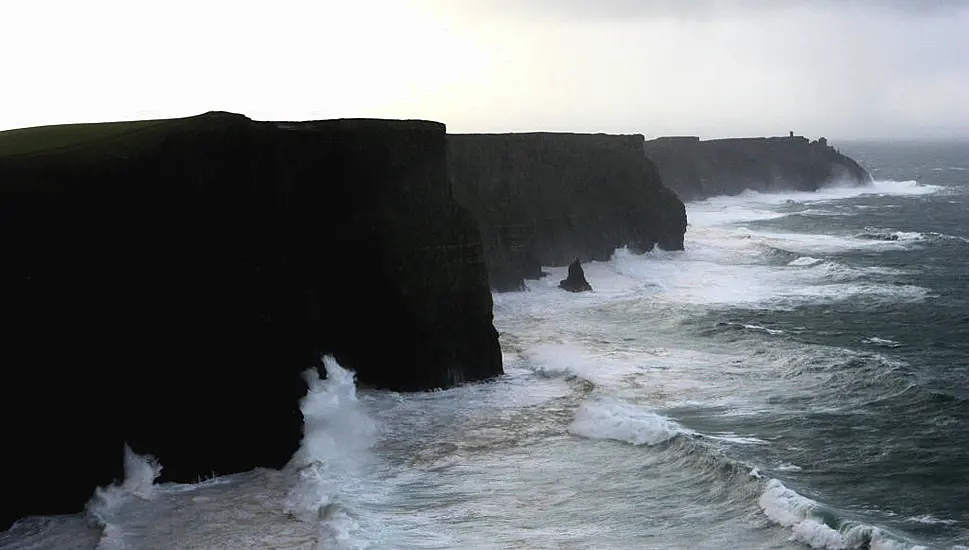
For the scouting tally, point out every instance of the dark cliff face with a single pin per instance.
(697, 169)
(546, 198)
(166, 286)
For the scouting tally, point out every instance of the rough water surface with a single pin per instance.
(797, 378)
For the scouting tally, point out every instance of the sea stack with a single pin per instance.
(575, 281)
(166, 283)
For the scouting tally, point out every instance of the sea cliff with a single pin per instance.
(697, 169)
(548, 198)
(165, 283)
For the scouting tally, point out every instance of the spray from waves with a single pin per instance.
(563, 359)
(755, 205)
(140, 471)
(106, 506)
(337, 436)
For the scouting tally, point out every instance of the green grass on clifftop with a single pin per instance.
(93, 138)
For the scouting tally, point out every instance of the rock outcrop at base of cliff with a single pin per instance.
(165, 284)
(575, 281)
(697, 169)
(546, 198)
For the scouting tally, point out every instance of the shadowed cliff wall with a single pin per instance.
(697, 169)
(167, 285)
(547, 198)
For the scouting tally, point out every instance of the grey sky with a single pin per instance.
(839, 68)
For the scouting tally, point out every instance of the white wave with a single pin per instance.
(565, 359)
(807, 243)
(906, 187)
(773, 331)
(789, 509)
(718, 272)
(881, 234)
(108, 502)
(755, 205)
(801, 515)
(931, 520)
(837, 211)
(943, 236)
(609, 418)
(337, 437)
(875, 233)
(885, 342)
(731, 437)
(805, 261)
(140, 471)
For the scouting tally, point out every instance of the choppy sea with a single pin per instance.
(798, 377)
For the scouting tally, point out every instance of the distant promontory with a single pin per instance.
(545, 199)
(697, 169)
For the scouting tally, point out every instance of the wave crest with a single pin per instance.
(608, 418)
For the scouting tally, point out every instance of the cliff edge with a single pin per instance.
(165, 283)
(547, 198)
(697, 169)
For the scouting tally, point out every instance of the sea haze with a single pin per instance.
(796, 378)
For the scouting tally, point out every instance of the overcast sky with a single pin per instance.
(839, 68)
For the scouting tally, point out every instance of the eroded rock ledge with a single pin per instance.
(697, 169)
(165, 283)
(546, 198)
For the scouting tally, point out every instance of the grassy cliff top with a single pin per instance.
(119, 138)
(95, 137)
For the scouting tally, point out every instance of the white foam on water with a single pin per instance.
(762, 329)
(789, 509)
(805, 261)
(729, 264)
(140, 471)
(609, 418)
(801, 515)
(755, 205)
(731, 437)
(332, 460)
(883, 342)
(931, 520)
(316, 502)
(698, 277)
(568, 359)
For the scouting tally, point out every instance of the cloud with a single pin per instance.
(839, 68)
(626, 10)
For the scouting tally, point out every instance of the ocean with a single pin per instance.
(798, 377)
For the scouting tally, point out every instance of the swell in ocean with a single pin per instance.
(752, 391)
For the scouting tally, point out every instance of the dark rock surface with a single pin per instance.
(697, 169)
(546, 198)
(575, 281)
(167, 285)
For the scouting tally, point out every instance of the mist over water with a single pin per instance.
(796, 378)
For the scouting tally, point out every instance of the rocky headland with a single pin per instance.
(166, 282)
(697, 169)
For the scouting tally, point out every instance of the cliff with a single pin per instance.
(547, 198)
(165, 283)
(697, 169)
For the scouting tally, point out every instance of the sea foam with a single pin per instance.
(608, 418)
